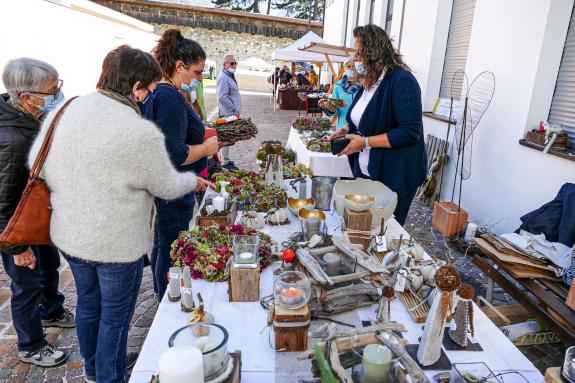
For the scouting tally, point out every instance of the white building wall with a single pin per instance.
(521, 42)
(74, 42)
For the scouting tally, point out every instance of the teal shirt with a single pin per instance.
(341, 94)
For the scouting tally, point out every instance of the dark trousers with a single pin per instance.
(402, 208)
(107, 294)
(35, 295)
(171, 218)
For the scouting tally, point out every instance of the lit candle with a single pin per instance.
(246, 256)
(292, 296)
(375, 364)
(219, 203)
(181, 364)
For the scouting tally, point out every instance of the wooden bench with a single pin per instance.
(544, 299)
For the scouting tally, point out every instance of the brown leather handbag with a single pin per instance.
(30, 223)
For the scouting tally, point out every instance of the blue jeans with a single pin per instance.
(35, 295)
(107, 294)
(171, 218)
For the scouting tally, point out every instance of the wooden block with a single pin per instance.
(222, 220)
(357, 220)
(553, 375)
(448, 219)
(360, 239)
(290, 328)
(244, 285)
(235, 376)
(570, 301)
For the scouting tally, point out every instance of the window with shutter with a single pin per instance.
(457, 47)
(562, 110)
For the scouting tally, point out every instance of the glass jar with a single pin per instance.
(292, 290)
(214, 346)
(246, 251)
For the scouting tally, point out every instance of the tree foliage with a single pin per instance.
(301, 9)
(239, 5)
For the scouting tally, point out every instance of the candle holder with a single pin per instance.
(246, 251)
(214, 347)
(292, 290)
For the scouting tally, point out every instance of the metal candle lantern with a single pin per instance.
(321, 191)
(246, 251)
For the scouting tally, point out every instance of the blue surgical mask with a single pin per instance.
(232, 70)
(360, 68)
(193, 96)
(349, 73)
(50, 102)
(193, 84)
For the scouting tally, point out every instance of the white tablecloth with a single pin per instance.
(245, 323)
(322, 164)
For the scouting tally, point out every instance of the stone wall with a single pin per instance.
(219, 43)
(213, 18)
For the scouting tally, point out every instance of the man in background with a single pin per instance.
(229, 100)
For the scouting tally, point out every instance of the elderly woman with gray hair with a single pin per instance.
(34, 89)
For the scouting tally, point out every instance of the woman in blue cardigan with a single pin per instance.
(182, 61)
(385, 119)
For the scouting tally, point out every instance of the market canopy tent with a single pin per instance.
(328, 49)
(256, 63)
(294, 53)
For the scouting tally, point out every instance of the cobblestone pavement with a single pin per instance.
(271, 125)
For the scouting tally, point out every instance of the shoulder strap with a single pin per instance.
(43, 152)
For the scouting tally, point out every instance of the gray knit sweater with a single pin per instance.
(104, 168)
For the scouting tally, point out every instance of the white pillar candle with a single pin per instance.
(219, 203)
(375, 364)
(246, 256)
(181, 364)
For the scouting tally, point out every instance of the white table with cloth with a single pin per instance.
(322, 164)
(246, 324)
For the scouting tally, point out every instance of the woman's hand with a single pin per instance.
(356, 144)
(211, 146)
(203, 184)
(339, 133)
(25, 259)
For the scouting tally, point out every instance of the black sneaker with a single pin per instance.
(230, 166)
(66, 320)
(46, 356)
(131, 358)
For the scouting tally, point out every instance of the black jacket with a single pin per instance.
(17, 133)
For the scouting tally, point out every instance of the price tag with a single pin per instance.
(381, 243)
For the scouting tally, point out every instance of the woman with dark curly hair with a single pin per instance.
(385, 119)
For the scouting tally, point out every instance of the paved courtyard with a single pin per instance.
(271, 125)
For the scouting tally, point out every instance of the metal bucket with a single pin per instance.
(321, 191)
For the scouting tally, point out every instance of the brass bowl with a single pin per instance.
(305, 214)
(358, 202)
(295, 205)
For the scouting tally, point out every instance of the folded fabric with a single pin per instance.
(536, 244)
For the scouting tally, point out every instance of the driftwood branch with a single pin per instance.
(313, 267)
(334, 357)
(361, 257)
(321, 332)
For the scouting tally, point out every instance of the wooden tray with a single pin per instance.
(221, 220)
(409, 300)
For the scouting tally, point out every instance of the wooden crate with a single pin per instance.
(448, 218)
(357, 220)
(561, 142)
(244, 285)
(290, 328)
(221, 220)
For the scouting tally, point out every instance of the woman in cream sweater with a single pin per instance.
(105, 166)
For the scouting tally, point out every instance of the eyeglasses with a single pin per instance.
(233, 63)
(56, 93)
